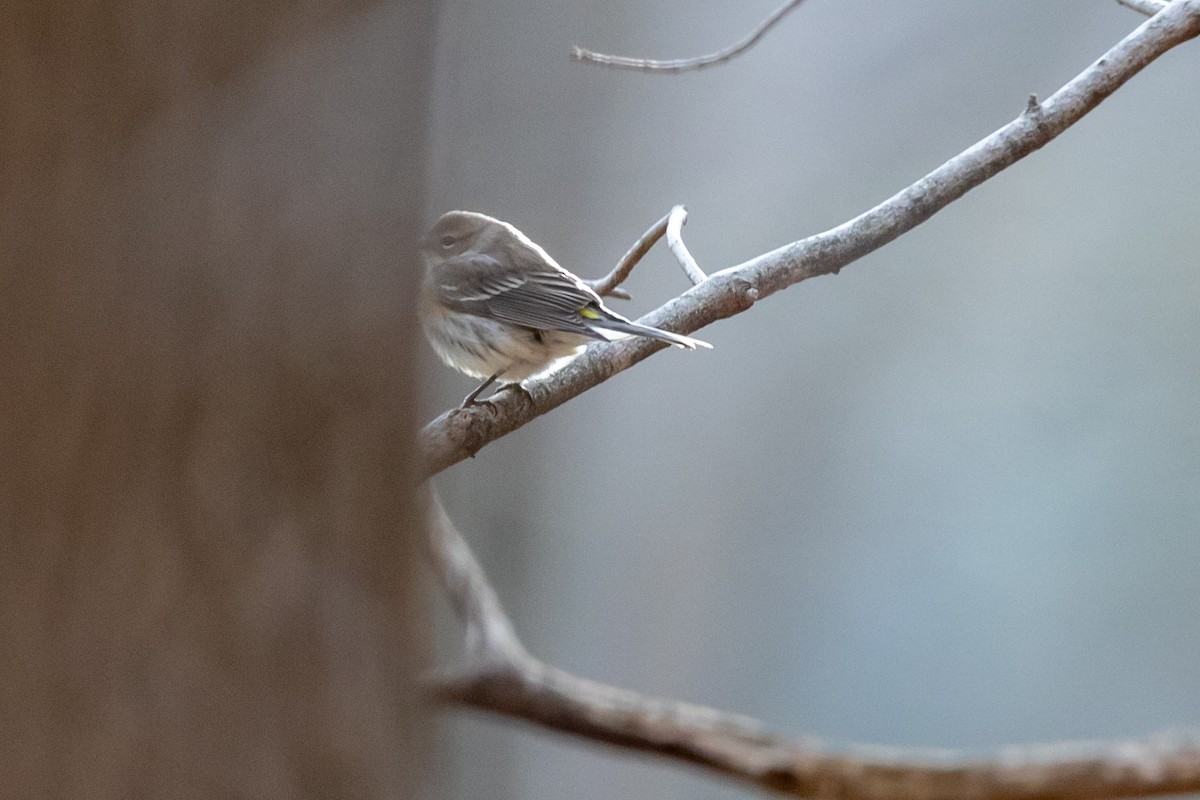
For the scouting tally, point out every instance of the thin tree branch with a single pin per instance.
(501, 677)
(686, 64)
(676, 219)
(1147, 7)
(460, 433)
(490, 636)
(608, 285)
(1166, 763)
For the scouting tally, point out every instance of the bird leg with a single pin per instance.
(469, 400)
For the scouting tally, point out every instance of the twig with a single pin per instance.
(1147, 7)
(677, 218)
(608, 285)
(502, 677)
(686, 64)
(456, 435)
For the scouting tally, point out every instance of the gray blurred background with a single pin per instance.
(949, 498)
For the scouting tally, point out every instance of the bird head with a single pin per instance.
(454, 233)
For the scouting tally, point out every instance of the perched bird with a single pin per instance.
(495, 306)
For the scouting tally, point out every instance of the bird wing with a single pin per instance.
(544, 299)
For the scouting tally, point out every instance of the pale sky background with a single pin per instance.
(948, 498)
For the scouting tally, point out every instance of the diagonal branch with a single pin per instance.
(490, 635)
(686, 64)
(459, 434)
(500, 676)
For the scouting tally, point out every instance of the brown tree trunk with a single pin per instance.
(206, 519)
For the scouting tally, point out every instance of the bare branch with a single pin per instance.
(608, 285)
(461, 433)
(490, 635)
(686, 64)
(676, 219)
(1147, 7)
(740, 748)
(500, 676)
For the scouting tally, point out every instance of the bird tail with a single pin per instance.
(611, 321)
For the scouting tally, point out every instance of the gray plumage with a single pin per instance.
(495, 305)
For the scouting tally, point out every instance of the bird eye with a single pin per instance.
(448, 241)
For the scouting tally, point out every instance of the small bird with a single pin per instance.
(496, 307)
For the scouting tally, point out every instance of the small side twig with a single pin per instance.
(685, 64)
(675, 221)
(608, 286)
(1147, 7)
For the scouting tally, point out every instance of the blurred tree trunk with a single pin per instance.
(206, 518)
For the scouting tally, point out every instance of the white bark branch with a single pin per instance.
(675, 221)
